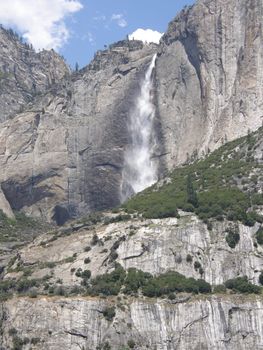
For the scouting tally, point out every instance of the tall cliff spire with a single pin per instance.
(139, 170)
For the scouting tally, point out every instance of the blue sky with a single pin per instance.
(78, 28)
(93, 26)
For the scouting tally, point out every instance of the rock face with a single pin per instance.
(156, 246)
(218, 323)
(62, 156)
(24, 74)
(210, 77)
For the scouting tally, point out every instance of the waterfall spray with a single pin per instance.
(139, 169)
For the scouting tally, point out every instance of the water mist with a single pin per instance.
(139, 169)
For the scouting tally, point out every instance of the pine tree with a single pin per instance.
(191, 192)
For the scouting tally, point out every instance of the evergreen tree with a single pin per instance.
(191, 192)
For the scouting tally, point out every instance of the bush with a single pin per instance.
(219, 289)
(134, 280)
(189, 258)
(131, 343)
(207, 187)
(259, 236)
(109, 313)
(242, 285)
(86, 274)
(24, 284)
(260, 279)
(171, 282)
(94, 240)
(87, 260)
(232, 237)
(12, 331)
(107, 284)
(197, 265)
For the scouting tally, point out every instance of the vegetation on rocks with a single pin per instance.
(223, 185)
(21, 228)
(242, 285)
(232, 237)
(133, 281)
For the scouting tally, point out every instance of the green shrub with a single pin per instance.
(207, 187)
(232, 237)
(109, 313)
(24, 284)
(171, 282)
(259, 236)
(260, 279)
(131, 343)
(107, 284)
(95, 239)
(12, 331)
(189, 258)
(197, 265)
(35, 340)
(87, 260)
(134, 280)
(242, 285)
(86, 274)
(219, 289)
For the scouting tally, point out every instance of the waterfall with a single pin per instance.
(139, 169)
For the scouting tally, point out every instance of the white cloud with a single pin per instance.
(40, 22)
(146, 35)
(119, 18)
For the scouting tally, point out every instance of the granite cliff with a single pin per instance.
(130, 280)
(180, 265)
(63, 154)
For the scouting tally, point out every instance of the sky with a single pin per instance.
(78, 28)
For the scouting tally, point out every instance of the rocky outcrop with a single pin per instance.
(24, 74)
(218, 323)
(154, 246)
(209, 76)
(213, 321)
(64, 157)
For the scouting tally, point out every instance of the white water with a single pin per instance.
(139, 170)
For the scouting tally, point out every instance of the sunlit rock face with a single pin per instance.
(25, 74)
(210, 77)
(73, 149)
(64, 156)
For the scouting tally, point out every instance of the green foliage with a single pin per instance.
(191, 192)
(207, 187)
(12, 331)
(131, 343)
(197, 265)
(104, 346)
(259, 236)
(107, 284)
(109, 313)
(189, 258)
(219, 289)
(19, 228)
(232, 237)
(242, 285)
(134, 280)
(174, 282)
(260, 279)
